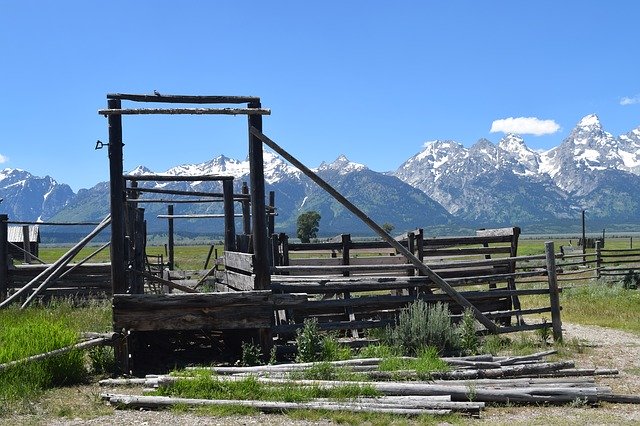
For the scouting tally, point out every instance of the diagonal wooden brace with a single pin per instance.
(444, 286)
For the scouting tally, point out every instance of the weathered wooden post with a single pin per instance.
(171, 242)
(554, 294)
(229, 216)
(411, 245)
(584, 238)
(284, 242)
(4, 256)
(258, 208)
(26, 244)
(271, 213)
(598, 258)
(346, 245)
(246, 210)
(118, 270)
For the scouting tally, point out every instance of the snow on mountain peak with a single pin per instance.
(342, 165)
(590, 120)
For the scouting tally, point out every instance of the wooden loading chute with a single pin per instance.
(248, 268)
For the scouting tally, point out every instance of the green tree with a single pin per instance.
(308, 225)
(388, 227)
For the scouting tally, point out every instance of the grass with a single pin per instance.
(602, 304)
(186, 257)
(203, 385)
(42, 329)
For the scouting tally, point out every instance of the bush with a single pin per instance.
(422, 325)
(468, 339)
(309, 342)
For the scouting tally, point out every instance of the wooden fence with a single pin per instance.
(352, 286)
(61, 279)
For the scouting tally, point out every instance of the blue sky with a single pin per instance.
(369, 79)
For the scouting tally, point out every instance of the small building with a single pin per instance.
(16, 237)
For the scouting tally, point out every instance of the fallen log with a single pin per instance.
(531, 357)
(100, 341)
(264, 406)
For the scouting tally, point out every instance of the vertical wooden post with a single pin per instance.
(171, 242)
(258, 208)
(4, 256)
(271, 213)
(284, 241)
(118, 267)
(584, 238)
(411, 245)
(246, 213)
(229, 219)
(346, 246)
(598, 258)
(139, 238)
(26, 244)
(554, 294)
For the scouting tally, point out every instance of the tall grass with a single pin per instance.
(42, 329)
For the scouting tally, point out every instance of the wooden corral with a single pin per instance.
(349, 292)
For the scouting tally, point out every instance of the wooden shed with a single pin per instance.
(17, 235)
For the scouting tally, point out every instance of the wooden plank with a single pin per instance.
(498, 232)
(4, 256)
(239, 261)
(467, 251)
(209, 318)
(183, 99)
(184, 111)
(239, 281)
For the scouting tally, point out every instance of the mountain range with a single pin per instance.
(445, 186)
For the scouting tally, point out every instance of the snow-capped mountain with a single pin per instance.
(31, 198)
(484, 185)
(512, 182)
(385, 198)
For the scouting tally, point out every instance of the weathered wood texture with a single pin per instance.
(347, 272)
(202, 311)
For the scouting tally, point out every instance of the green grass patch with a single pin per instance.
(204, 385)
(427, 361)
(602, 304)
(42, 329)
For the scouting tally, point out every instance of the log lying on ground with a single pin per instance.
(531, 394)
(100, 341)
(272, 406)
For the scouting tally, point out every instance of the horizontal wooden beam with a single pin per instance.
(176, 178)
(185, 111)
(184, 99)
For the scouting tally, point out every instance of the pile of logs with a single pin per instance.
(465, 388)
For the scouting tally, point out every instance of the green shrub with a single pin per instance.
(251, 354)
(102, 360)
(468, 338)
(309, 341)
(422, 325)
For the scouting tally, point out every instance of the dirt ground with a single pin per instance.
(606, 348)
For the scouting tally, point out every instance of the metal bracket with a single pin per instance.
(100, 145)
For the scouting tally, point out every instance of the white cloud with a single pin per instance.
(525, 126)
(3, 159)
(630, 101)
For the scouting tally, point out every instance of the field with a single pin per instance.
(600, 314)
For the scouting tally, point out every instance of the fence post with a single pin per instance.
(26, 244)
(598, 258)
(4, 256)
(554, 296)
(170, 237)
(346, 245)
